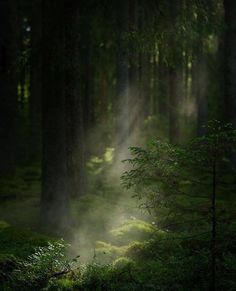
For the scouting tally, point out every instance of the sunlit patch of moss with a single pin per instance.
(61, 285)
(109, 155)
(106, 252)
(131, 230)
(94, 165)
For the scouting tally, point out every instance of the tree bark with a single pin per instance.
(199, 88)
(174, 105)
(35, 97)
(55, 198)
(213, 228)
(162, 86)
(230, 61)
(135, 108)
(122, 94)
(9, 44)
(175, 75)
(75, 90)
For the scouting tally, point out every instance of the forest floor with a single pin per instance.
(119, 247)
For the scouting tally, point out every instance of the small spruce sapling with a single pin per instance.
(164, 173)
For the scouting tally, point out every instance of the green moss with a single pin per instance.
(20, 196)
(106, 252)
(133, 230)
(123, 262)
(19, 242)
(61, 285)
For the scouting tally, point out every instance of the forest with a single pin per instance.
(118, 145)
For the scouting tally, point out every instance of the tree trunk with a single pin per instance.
(9, 44)
(213, 228)
(174, 83)
(135, 108)
(35, 97)
(74, 101)
(155, 91)
(162, 86)
(86, 81)
(145, 83)
(230, 61)
(199, 89)
(54, 202)
(122, 98)
(175, 75)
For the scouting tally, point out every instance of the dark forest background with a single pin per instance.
(85, 85)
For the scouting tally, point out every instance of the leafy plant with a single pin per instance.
(44, 264)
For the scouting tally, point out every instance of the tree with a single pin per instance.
(9, 44)
(122, 82)
(199, 77)
(176, 184)
(55, 196)
(209, 154)
(75, 94)
(35, 98)
(230, 61)
(175, 72)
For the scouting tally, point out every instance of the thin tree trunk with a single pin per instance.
(213, 229)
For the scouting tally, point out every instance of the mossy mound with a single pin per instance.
(132, 230)
(19, 242)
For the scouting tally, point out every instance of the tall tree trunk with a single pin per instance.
(134, 94)
(54, 203)
(230, 61)
(35, 97)
(145, 83)
(122, 99)
(86, 80)
(9, 44)
(162, 85)
(74, 102)
(199, 88)
(175, 75)
(145, 68)
(155, 91)
(174, 105)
